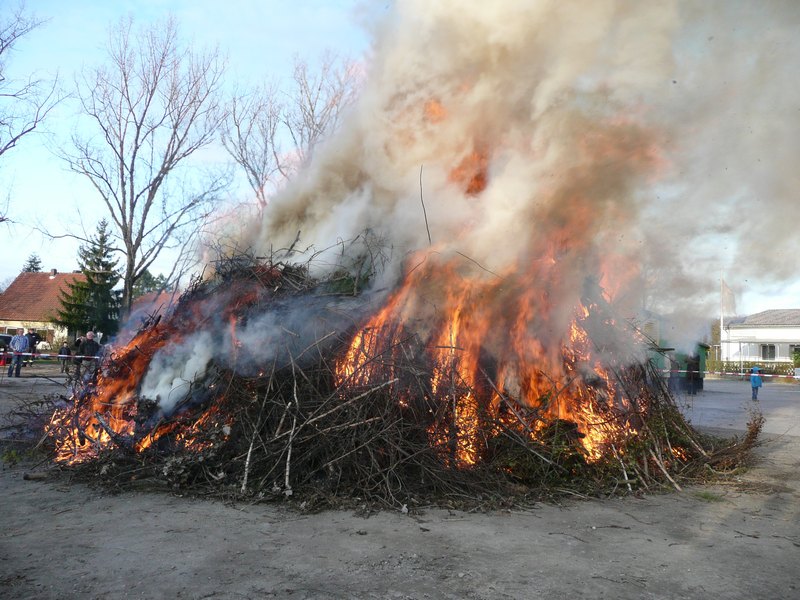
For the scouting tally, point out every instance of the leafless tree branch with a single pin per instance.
(150, 108)
(270, 133)
(23, 103)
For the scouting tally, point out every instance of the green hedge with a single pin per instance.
(715, 366)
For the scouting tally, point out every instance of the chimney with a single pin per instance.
(53, 273)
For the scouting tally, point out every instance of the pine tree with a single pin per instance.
(33, 264)
(147, 283)
(93, 303)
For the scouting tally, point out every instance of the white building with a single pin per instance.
(768, 337)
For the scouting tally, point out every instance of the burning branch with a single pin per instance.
(380, 413)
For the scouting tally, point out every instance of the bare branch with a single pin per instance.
(249, 136)
(150, 108)
(23, 103)
(262, 122)
(316, 105)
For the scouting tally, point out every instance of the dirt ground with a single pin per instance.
(738, 540)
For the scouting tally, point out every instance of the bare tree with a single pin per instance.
(249, 137)
(149, 109)
(316, 104)
(23, 103)
(271, 133)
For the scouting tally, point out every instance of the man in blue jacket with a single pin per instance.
(18, 345)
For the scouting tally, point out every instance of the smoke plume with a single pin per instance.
(645, 146)
(669, 124)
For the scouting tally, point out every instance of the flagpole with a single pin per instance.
(721, 311)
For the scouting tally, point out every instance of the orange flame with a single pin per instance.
(106, 413)
(472, 172)
(544, 374)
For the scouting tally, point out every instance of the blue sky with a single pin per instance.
(259, 37)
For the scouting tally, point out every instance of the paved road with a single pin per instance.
(727, 405)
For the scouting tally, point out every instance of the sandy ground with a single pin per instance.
(739, 540)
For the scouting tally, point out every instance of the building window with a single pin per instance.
(767, 351)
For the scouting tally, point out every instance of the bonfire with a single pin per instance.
(519, 170)
(406, 404)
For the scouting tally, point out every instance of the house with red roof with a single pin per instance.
(33, 300)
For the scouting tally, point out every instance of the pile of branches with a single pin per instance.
(297, 431)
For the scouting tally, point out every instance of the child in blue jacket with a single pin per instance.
(755, 381)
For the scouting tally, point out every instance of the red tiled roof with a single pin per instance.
(35, 296)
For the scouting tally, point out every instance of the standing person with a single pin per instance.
(76, 361)
(755, 381)
(63, 355)
(88, 348)
(33, 339)
(692, 375)
(672, 382)
(18, 345)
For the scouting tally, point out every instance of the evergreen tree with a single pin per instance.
(33, 264)
(93, 303)
(147, 283)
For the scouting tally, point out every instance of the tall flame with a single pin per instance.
(497, 344)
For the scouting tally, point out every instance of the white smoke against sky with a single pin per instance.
(663, 134)
(710, 86)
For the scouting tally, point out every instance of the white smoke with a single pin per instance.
(173, 370)
(708, 89)
(290, 331)
(661, 134)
